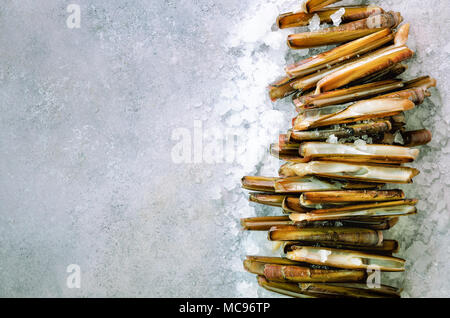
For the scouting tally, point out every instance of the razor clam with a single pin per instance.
(353, 290)
(302, 274)
(337, 235)
(375, 210)
(340, 53)
(352, 13)
(300, 85)
(283, 153)
(308, 82)
(366, 205)
(268, 198)
(385, 74)
(312, 199)
(346, 95)
(377, 223)
(369, 153)
(315, 5)
(295, 185)
(287, 289)
(343, 114)
(369, 64)
(416, 95)
(416, 90)
(345, 258)
(292, 204)
(285, 143)
(388, 247)
(271, 260)
(342, 131)
(327, 290)
(370, 223)
(409, 138)
(264, 223)
(345, 32)
(423, 82)
(267, 222)
(265, 184)
(350, 171)
(281, 88)
(389, 73)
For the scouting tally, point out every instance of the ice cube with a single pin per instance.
(337, 16)
(314, 23)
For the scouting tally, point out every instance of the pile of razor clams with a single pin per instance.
(343, 155)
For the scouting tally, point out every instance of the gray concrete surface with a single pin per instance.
(91, 119)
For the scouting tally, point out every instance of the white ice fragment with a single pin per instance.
(274, 40)
(245, 289)
(337, 16)
(302, 52)
(215, 192)
(332, 139)
(314, 23)
(323, 254)
(360, 144)
(252, 247)
(236, 265)
(229, 184)
(398, 138)
(447, 48)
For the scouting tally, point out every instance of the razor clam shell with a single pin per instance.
(370, 153)
(344, 32)
(342, 131)
(287, 289)
(340, 54)
(350, 171)
(315, 5)
(310, 199)
(304, 184)
(338, 235)
(304, 274)
(365, 66)
(342, 114)
(388, 247)
(355, 290)
(352, 13)
(269, 199)
(346, 95)
(345, 258)
(264, 223)
(390, 211)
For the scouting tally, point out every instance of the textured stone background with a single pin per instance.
(87, 174)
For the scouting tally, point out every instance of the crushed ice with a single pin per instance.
(314, 23)
(337, 16)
